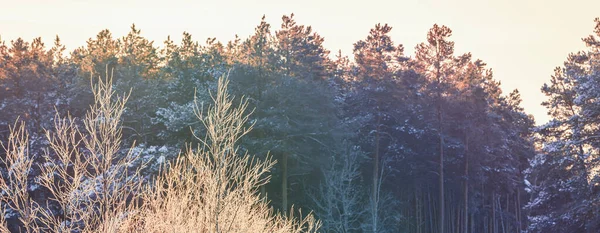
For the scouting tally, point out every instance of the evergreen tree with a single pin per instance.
(376, 57)
(373, 106)
(562, 193)
(28, 84)
(137, 71)
(99, 55)
(434, 60)
(189, 72)
(301, 51)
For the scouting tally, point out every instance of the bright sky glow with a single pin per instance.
(522, 40)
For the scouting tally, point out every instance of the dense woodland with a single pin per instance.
(383, 142)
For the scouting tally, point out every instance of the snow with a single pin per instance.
(161, 159)
(33, 187)
(527, 183)
(163, 149)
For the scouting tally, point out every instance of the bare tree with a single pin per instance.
(381, 207)
(211, 188)
(339, 199)
(89, 179)
(214, 188)
(15, 184)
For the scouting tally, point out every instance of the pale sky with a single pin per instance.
(521, 40)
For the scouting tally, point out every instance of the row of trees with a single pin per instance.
(564, 175)
(438, 122)
(383, 142)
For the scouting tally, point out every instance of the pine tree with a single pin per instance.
(434, 60)
(376, 57)
(189, 71)
(301, 51)
(372, 99)
(562, 182)
(137, 55)
(138, 73)
(99, 54)
(28, 85)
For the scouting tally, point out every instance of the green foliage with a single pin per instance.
(364, 135)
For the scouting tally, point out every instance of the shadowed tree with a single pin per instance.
(434, 60)
(372, 96)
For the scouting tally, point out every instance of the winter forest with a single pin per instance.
(276, 133)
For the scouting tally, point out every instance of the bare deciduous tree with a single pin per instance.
(339, 199)
(211, 188)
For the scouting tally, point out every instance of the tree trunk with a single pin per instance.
(519, 217)
(376, 161)
(493, 202)
(284, 176)
(450, 218)
(466, 190)
(500, 211)
(431, 211)
(418, 210)
(376, 176)
(472, 221)
(441, 168)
